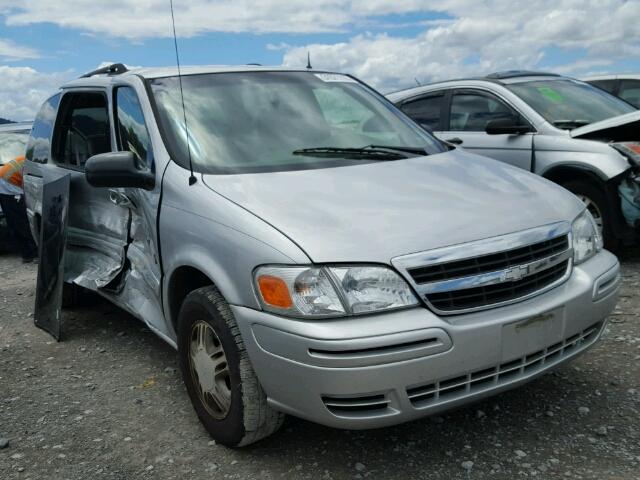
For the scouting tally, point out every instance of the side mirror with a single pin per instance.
(118, 169)
(509, 125)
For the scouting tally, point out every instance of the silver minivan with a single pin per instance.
(306, 247)
(563, 129)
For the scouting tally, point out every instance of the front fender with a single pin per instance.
(200, 229)
(590, 156)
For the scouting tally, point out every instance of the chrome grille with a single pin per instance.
(489, 263)
(490, 272)
(446, 390)
(498, 292)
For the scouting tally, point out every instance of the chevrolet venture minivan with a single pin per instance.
(327, 258)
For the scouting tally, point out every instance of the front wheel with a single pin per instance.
(220, 380)
(595, 201)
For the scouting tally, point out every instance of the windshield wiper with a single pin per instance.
(375, 152)
(365, 153)
(570, 124)
(416, 150)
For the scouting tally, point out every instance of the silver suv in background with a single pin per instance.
(307, 248)
(625, 86)
(563, 129)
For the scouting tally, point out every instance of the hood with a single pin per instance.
(614, 128)
(373, 212)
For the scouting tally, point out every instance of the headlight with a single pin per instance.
(336, 291)
(586, 239)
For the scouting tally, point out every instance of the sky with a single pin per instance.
(390, 44)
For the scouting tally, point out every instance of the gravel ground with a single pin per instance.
(108, 402)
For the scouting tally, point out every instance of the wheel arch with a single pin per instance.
(182, 281)
(564, 173)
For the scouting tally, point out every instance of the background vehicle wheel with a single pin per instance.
(596, 202)
(216, 370)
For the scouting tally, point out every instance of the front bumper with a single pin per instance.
(385, 369)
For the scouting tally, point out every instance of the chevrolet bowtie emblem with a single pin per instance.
(515, 273)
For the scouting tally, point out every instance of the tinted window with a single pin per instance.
(569, 104)
(132, 131)
(608, 85)
(39, 145)
(630, 92)
(425, 111)
(470, 112)
(254, 121)
(82, 129)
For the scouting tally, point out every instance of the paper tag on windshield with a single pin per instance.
(334, 77)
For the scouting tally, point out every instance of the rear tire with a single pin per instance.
(232, 406)
(595, 200)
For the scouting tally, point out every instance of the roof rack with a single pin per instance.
(519, 73)
(113, 69)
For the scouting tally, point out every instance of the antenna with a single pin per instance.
(309, 67)
(418, 81)
(192, 177)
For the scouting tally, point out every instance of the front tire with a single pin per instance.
(216, 370)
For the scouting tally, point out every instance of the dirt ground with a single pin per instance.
(108, 402)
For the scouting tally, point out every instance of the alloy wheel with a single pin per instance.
(594, 211)
(210, 370)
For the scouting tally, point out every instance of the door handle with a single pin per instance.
(455, 140)
(120, 199)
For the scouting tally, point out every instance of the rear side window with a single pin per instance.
(131, 130)
(82, 129)
(630, 91)
(425, 111)
(470, 112)
(39, 144)
(606, 85)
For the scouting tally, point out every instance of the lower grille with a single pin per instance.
(497, 293)
(443, 391)
(359, 406)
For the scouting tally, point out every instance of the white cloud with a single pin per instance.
(473, 37)
(487, 36)
(24, 90)
(11, 51)
(151, 18)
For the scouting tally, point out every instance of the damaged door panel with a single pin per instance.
(98, 235)
(98, 227)
(137, 286)
(53, 235)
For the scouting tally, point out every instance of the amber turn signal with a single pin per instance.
(274, 291)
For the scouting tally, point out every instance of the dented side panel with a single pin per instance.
(139, 291)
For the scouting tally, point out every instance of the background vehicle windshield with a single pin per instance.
(569, 104)
(12, 145)
(254, 121)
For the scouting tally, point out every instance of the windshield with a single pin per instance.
(264, 121)
(12, 145)
(569, 104)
